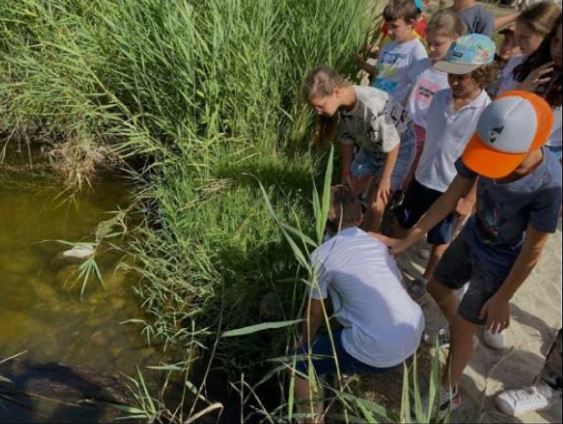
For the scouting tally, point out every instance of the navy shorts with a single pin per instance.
(323, 358)
(458, 267)
(418, 200)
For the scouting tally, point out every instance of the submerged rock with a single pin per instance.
(77, 391)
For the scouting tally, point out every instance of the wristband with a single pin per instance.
(345, 173)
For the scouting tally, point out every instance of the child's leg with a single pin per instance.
(436, 254)
(461, 350)
(452, 272)
(376, 209)
(306, 404)
(361, 184)
(439, 237)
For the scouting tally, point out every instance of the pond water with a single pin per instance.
(41, 311)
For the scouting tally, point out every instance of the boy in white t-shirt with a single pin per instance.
(391, 73)
(451, 119)
(444, 28)
(381, 325)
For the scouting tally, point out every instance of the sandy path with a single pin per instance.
(536, 317)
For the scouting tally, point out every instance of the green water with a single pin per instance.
(40, 308)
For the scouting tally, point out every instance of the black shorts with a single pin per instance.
(418, 200)
(459, 267)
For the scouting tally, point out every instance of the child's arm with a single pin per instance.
(466, 204)
(311, 321)
(441, 208)
(370, 69)
(497, 309)
(505, 20)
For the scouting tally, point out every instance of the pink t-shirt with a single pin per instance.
(426, 81)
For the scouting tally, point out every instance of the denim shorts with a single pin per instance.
(371, 163)
(418, 200)
(458, 267)
(323, 358)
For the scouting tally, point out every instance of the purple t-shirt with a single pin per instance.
(504, 211)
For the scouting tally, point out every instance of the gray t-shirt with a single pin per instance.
(504, 211)
(478, 20)
(376, 123)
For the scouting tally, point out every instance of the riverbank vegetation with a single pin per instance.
(198, 102)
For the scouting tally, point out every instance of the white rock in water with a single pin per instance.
(81, 251)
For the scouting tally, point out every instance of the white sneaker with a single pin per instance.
(494, 341)
(532, 398)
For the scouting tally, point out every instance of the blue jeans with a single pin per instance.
(323, 359)
(370, 163)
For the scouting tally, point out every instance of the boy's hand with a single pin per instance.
(497, 312)
(396, 246)
(539, 76)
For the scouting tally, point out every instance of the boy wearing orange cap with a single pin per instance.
(518, 202)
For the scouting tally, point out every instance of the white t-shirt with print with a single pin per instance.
(376, 123)
(382, 324)
(446, 137)
(394, 62)
(426, 81)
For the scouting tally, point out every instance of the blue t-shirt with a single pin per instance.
(504, 210)
(478, 20)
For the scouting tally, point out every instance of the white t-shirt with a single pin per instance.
(508, 81)
(393, 65)
(426, 81)
(446, 137)
(382, 324)
(376, 123)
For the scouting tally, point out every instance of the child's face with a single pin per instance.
(438, 45)
(526, 39)
(325, 105)
(555, 48)
(399, 30)
(462, 85)
(508, 47)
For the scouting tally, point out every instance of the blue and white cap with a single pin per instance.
(467, 54)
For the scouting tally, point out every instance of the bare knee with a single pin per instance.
(438, 291)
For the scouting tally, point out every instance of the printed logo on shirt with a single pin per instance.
(425, 91)
(398, 116)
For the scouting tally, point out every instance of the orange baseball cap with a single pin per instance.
(514, 124)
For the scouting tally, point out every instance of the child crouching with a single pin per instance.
(382, 326)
